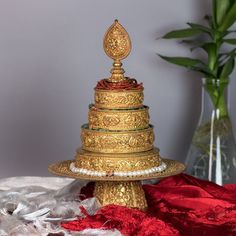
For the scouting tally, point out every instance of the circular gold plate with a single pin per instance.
(117, 162)
(63, 169)
(129, 119)
(117, 142)
(118, 99)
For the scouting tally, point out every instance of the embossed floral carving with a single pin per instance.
(118, 119)
(115, 162)
(117, 142)
(122, 99)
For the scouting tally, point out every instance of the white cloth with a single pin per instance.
(53, 183)
(36, 206)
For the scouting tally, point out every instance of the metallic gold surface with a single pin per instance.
(118, 99)
(63, 169)
(118, 119)
(117, 142)
(118, 137)
(117, 45)
(117, 162)
(129, 194)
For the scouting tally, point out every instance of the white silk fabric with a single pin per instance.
(37, 206)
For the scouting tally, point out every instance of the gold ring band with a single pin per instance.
(118, 119)
(117, 99)
(117, 162)
(117, 142)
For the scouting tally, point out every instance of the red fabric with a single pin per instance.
(194, 206)
(128, 221)
(87, 191)
(178, 205)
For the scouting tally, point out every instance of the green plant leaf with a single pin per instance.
(202, 28)
(194, 43)
(204, 70)
(181, 61)
(229, 18)
(182, 33)
(232, 2)
(230, 41)
(230, 53)
(219, 63)
(190, 63)
(222, 7)
(187, 41)
(210, 49)
(227, 68)
(229, 32)
(225, 56)
(214, 13)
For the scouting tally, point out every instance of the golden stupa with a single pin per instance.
(117, 143)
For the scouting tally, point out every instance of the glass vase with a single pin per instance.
(212, 154)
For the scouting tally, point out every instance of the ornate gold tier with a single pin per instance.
(129, 194)
(118, 119)
(117, 141)
(118, 99)
(117, 162)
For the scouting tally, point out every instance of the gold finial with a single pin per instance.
(117, 45)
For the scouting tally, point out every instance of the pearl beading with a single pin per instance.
(152, 170)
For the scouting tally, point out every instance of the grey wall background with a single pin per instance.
(51, 57)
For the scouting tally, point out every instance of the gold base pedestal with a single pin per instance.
(125, 193)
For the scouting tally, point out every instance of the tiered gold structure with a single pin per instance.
(117, 143)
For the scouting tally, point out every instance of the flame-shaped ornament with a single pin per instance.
(117, 45)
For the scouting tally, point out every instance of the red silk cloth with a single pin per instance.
(177, 205)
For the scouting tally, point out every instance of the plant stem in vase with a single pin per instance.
(212, 153)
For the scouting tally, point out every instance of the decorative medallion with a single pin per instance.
(116, 43)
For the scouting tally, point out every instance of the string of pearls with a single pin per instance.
(152, 170)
